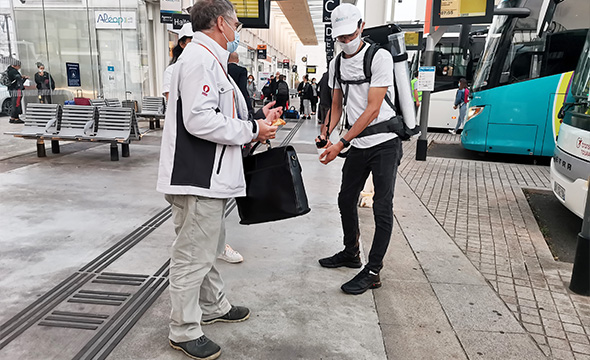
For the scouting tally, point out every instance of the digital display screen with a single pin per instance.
(253, 13)
(412, 38)
(462, 8)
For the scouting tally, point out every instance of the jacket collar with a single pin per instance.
(219, 52)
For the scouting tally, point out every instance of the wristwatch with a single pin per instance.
(345, 142)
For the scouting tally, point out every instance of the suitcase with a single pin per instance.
(292, 113)
(79, 99)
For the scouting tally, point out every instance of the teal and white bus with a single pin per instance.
(522, 78)
(570, 167)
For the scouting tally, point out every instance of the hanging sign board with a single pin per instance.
(310, 69)
(457, 12)
(261, 51)
(329, 6)
(426, 76)
(253, 13)
(168, 8)
(180, 19)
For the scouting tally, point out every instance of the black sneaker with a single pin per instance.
(18, 121)
(200, 349)
(341, 259)
(362, 282)
(235, 314)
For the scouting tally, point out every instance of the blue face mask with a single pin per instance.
(232, 45)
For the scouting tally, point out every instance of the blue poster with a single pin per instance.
(73, 73)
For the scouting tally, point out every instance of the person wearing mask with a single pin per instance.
(200, 169)
(377, 151)
(282, 95)
(240, 76)
(15, 89)
(184, 37)
(314, 97)
(461, 101)
(307, 95)
(266, 90)
(45, 84)
(251, 87)
(325, 98)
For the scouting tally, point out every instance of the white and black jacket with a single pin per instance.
(206, 126)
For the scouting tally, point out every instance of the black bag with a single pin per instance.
(274, 187)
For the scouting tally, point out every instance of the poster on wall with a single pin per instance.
(115, 19)
(73, 72)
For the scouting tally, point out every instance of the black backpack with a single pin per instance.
(282, 88)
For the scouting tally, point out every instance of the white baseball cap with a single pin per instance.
(345, 19)
(186, 30)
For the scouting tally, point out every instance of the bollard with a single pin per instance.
(580, 282)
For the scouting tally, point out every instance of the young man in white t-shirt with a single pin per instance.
(379, 153)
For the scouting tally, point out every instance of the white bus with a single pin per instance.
(570, 167)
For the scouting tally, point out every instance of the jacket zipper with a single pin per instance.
(220, 158)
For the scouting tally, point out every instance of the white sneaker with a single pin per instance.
(230, 255)
(452, 131)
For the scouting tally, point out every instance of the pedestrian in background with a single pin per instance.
(251, 87)
(200, 169)
(240, 76)
(325, 98)
(417, 95)
(45, 84)
(15, 86)
(307, 95)
(273, 86)
(314, 98)
(282, 93)
(184, 37)
(461, 100)
(266, 92)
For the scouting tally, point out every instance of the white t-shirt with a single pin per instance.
(167, 79)
(357, 100)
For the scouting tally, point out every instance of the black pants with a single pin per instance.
(282, 101)
(382, 160)
(314, 104)
(16, 101)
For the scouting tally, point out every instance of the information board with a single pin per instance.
(253, 13)
(456, 12)
(426, 75)
(73, 74)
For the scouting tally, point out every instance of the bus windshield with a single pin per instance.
(581, 81)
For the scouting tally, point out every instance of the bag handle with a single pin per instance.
(253, 148)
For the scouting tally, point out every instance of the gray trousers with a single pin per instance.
(196, 287)
(462, 113)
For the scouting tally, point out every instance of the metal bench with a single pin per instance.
(153, 109)
(41, 121)
(77, 121)
(98, 102)
(114, 125)
(113, 102)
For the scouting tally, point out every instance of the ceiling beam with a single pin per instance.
(297, 13)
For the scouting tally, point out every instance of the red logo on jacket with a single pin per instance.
(206, 90)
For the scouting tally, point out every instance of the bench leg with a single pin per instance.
(55, 146)
(114, 152)
(152, 124)
(125, 150)
(158, 123)
(41, 148)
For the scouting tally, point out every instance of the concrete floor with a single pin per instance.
(60, 212)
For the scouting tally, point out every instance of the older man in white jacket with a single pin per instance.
(200, 169)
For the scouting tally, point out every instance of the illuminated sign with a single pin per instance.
(413, 40)
(455, 12)
(253, 13)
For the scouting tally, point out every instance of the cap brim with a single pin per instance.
(345, 29)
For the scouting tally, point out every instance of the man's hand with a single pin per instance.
(331, 153)
(417, 103)
(455, 107)
(268, 107)
(323, 137)
(273, 115)
(265, 130)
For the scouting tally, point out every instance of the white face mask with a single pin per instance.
(352, 46)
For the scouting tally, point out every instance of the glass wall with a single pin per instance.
(90, 48)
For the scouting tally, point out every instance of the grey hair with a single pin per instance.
(204, 13)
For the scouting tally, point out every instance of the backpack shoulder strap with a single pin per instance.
(337, 63)
(368, 60)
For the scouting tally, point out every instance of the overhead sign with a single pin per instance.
(168, 8)
(73, 74)
(328, 32)
(286, 64)
(261, 51)
(426, 75)
(294, 68)
(115, 19)
(180, 19)
(413, 40)
(253, 13)
(456, 12)
(310, 69)
(329, 6)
